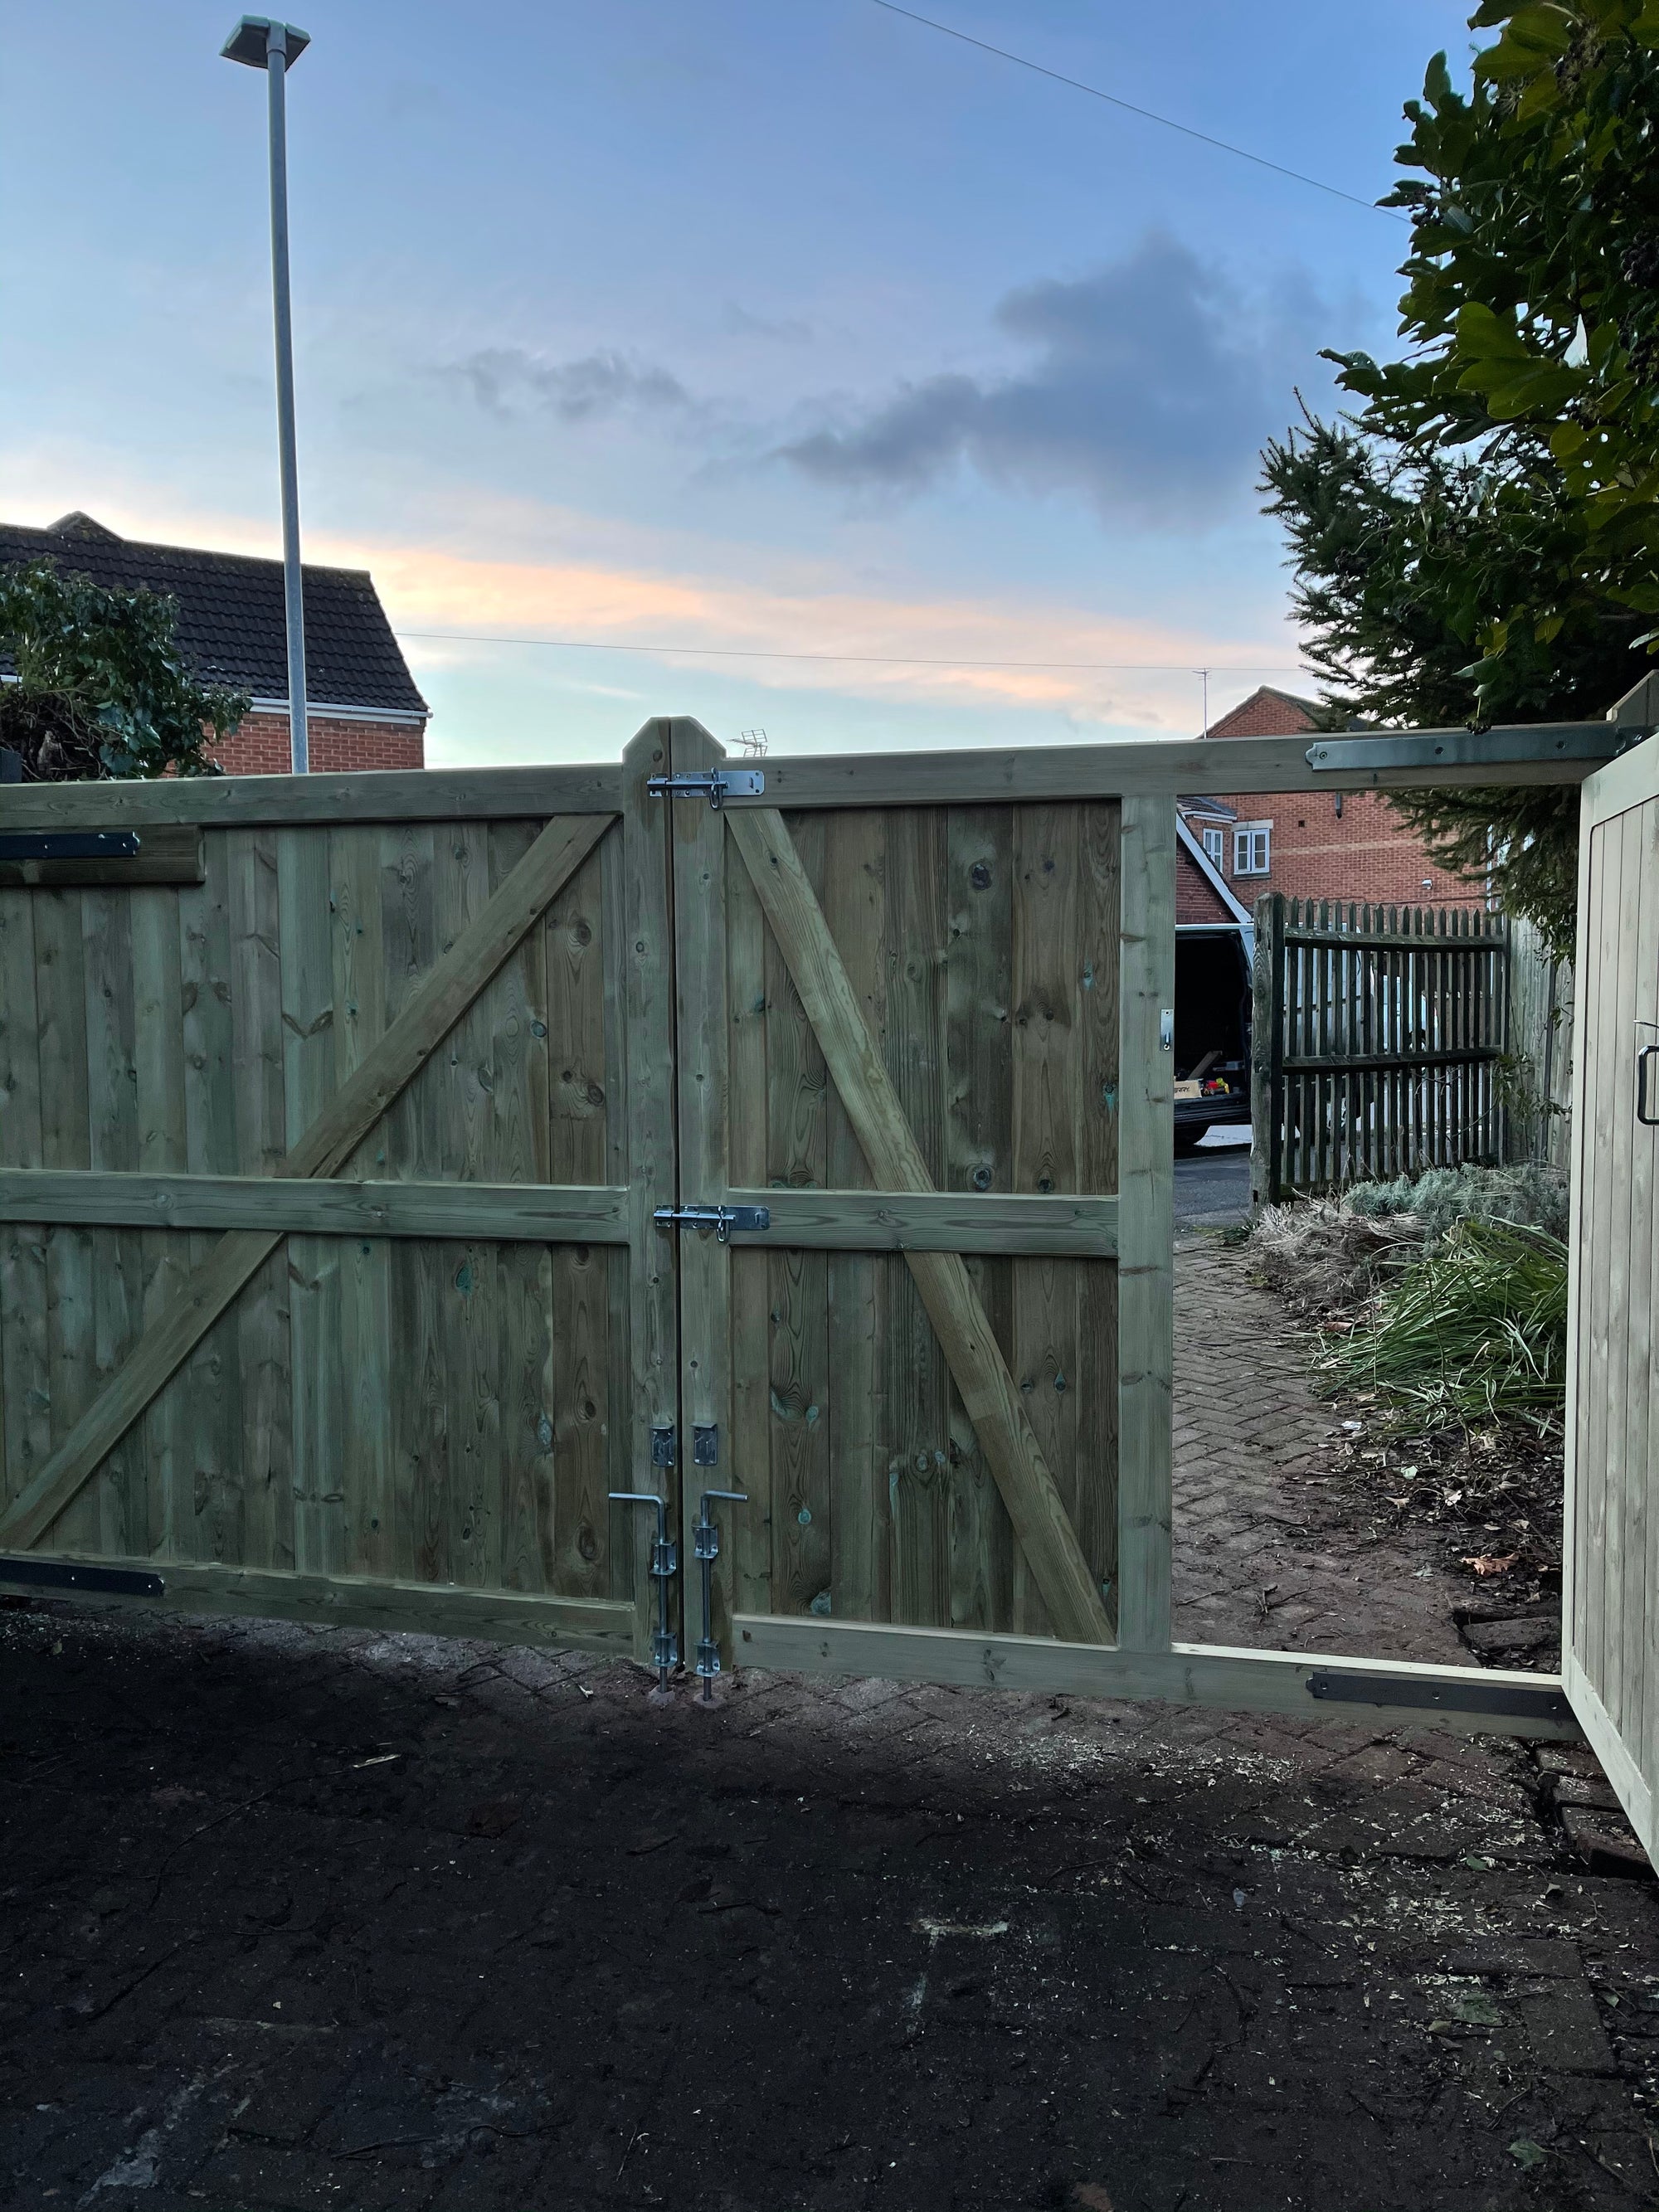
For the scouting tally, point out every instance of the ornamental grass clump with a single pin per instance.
(1474, 1333)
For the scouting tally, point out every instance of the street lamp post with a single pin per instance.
(274, 48)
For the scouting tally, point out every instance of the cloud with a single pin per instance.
(1150, 387)
(737, 322)
(506, 379)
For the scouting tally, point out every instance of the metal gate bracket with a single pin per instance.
(706, 1549)
(1594, 741)
(743, 782)
(1350, 1687)
(662, 1448)
(68, 844)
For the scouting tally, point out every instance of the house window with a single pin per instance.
(1253, 848)
(1215, 844)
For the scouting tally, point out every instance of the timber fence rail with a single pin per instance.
(1379, 1045)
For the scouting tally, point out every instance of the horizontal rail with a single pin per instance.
(942, 1221)
(1337, 1063)
(1183, 765)
(1470, 1700)
(361, 1601)
(541, 1213)
(233, 802)
(1480, 943)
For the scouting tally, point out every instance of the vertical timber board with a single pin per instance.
(747, 1546)
(799, 1508)
(25, 1361)
(648, 970)
(158, 1092)
(118, 1490)
(697, 835)
(917, 1390)
(1641, 1440)
(979, 1154)
(520, 1006)
(1146, 1225)
(60, 987)
(366, 1475)
(260, 1317)
(314, 1265)
(860, 1285)
(205, 1515)
(581, 946)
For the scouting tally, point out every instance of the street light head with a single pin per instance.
(251, 42)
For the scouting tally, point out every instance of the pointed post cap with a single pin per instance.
(250, 42)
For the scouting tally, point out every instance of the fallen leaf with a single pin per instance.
(385, 1758)
(1473, 1859)
(1525, 2152)
(1483, 1563)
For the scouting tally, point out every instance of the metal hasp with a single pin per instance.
(64, 1574)
(68, 844)
(665, 1565)
(714, 782)
(706, 1549)
(722, 1219)
(1577, 741)
(1350, 1687)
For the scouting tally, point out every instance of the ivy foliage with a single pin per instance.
(1477, 541)
(101, 689)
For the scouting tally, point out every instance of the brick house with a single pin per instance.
(365, 712)
(1310, 844)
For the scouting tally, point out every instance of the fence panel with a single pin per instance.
(1380, 1042)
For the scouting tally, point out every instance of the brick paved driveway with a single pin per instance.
(313, 1918)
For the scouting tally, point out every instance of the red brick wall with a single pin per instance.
(1196, 898)
(1365, 854)
(260, 746)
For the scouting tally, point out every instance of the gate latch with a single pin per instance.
(665, 1565)
(722, 1219)
(746, 782)
(706, 1548)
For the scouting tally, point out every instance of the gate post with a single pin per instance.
(1267, 1052)
(1145, 1262)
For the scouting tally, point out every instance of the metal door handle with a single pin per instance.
(1644, 1059)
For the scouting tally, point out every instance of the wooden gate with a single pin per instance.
(331, 1122)
(346, 1146)
(1611, 1552)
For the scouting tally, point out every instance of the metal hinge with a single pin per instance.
(722, 1219)
(744, 782)
(1594, 741)
(68, 844)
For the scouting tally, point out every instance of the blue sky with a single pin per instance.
(792, 327)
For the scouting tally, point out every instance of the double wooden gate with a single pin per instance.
(348, 1133)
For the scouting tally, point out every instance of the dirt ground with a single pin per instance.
(312, 1918)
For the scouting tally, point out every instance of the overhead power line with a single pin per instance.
(861, 660)
(1222, 145)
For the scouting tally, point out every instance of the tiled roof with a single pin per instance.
(231, 624)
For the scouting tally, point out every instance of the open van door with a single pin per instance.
(1610, 1627)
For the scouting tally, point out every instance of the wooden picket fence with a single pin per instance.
(1380, 1042)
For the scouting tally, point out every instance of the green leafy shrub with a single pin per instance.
(101, 689)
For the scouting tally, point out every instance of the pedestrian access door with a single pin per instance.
(898, 1050)
(1612, 1551)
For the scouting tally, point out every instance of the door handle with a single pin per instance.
(1644, 1059)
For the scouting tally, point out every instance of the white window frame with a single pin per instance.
(1253, 848)
(1215, 847)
